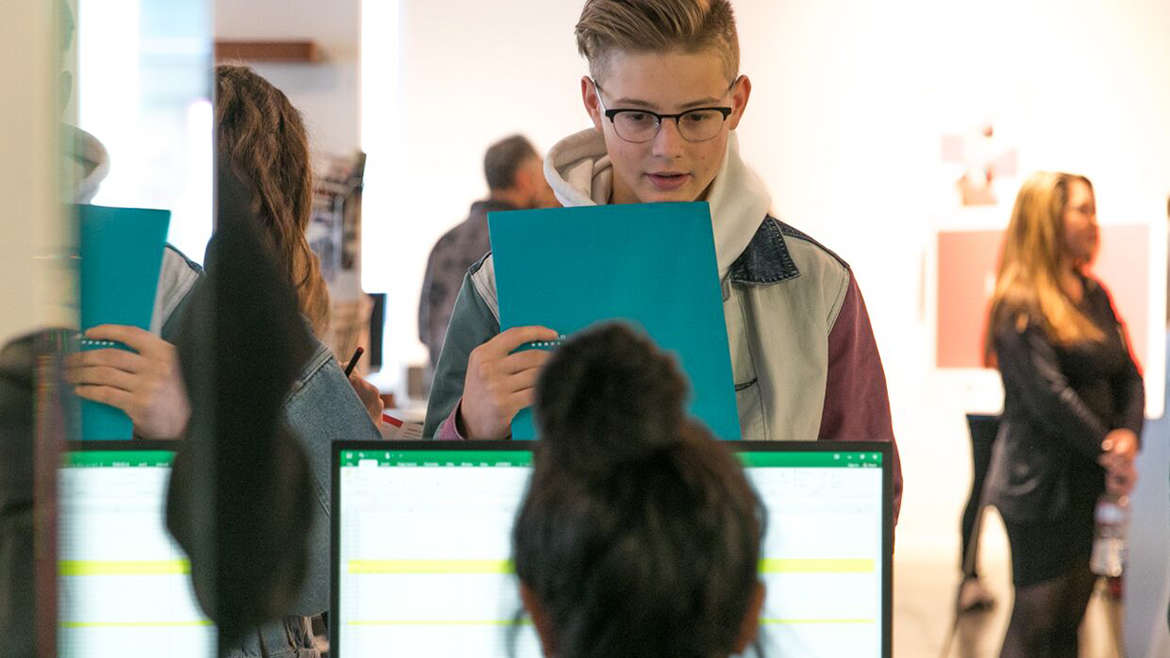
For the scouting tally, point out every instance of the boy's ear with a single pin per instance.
(592, 105)
(739, 100)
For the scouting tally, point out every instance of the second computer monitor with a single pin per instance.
(422, 530)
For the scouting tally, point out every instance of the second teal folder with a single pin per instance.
(121, 254)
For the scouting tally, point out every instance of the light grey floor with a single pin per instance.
(924, 595)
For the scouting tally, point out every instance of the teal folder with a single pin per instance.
(121, 254)
(652, 265)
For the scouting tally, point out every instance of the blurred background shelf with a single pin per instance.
(267, 51)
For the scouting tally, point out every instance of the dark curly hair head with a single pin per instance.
(609, 395)
(639, 533)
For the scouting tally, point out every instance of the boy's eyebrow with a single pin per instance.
(702, 102)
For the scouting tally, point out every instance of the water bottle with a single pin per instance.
(1109, 542)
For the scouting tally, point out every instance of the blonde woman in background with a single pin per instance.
(1073, 408)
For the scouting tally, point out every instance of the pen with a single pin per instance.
(357, 354)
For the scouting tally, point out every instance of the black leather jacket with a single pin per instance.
(1059, 404)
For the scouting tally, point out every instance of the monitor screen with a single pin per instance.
(824, 558)
(124, 584)
(422, 546)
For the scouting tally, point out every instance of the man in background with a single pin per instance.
(515, 179)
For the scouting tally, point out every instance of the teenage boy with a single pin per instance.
(665, 95)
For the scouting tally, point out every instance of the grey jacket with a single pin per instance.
(457, 250)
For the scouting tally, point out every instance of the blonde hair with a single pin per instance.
(1028, 280)
(268, 147)
(659, 26)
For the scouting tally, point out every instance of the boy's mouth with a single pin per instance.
(668, 180)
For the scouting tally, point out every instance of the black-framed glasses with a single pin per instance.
(637, 125)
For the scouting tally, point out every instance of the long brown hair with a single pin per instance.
(1033, 255)
(265, 140)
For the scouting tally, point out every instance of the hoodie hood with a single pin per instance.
(86, 162)
(581, 174)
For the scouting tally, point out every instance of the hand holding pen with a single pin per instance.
(369, 395)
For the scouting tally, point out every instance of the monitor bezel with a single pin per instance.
(885, 448)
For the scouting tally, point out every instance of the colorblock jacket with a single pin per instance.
(804, 359)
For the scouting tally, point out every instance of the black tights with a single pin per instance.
(1046, 616)
(983, 431)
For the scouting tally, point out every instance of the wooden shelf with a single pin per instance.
(267, 51)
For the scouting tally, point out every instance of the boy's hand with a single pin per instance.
(499, 383)
(148, 386)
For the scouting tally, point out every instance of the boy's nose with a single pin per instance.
(668, 142)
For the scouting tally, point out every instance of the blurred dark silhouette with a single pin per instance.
(240, 493)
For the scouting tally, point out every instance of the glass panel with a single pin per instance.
(144, 87)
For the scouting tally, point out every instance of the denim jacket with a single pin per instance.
(321, 408)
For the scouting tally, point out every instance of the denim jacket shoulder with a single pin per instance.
(768, 259)
(321, 408)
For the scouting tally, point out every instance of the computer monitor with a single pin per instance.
(124, 584)
(421, 547)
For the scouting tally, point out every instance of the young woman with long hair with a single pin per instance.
(261, 136)
(1073, 408)
(264, 138)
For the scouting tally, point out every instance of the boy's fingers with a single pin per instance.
(106, 395)
(138, 339)
(110, 357)
(507, 341)
(522, 380)
(101, 376)
(522, 399)
(521, 361)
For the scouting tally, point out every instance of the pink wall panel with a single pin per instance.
(966, 273)
(1123, 266)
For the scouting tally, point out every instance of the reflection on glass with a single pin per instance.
(144, 87)
(141, 104)
(125, 583)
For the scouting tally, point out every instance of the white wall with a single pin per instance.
(143, 89)
(469, 74)
(326, 92)
(850, 100)
(34, 261)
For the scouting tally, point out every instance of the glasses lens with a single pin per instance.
(700, 125)
(635, 126)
